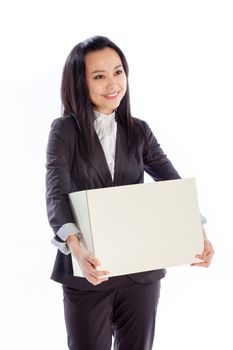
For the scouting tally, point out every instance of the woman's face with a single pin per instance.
(106, 79)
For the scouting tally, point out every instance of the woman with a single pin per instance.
(96, 144)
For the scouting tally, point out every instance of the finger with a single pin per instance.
(208, 248)
(101, 273)
(95, 262)
(211, 250)
(204, 264)
(92, 269)
(89, 270)
(204, 258)
(208, 251)
(206, 261)
(98, 274)
(204, 255)
(95, 281)
(201, 263)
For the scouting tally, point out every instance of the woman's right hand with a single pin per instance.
(87, 261)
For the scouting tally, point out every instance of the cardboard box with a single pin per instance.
(140, 227)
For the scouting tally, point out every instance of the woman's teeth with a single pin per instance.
(112, 95)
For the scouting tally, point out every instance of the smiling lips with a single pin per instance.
(112, 95)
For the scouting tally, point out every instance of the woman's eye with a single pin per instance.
(100, 76)
(118, 72)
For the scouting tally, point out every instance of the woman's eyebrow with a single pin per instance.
(102, 70)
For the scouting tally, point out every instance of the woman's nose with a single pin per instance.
(110, 83)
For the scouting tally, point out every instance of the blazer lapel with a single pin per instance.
(99, 163)
(121, 156)
(122, 162)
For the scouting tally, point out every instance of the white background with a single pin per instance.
(181, 81)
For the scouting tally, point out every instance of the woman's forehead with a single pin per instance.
(102, 59)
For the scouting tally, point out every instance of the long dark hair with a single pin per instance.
(75, 96)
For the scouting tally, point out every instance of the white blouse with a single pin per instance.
(106, 129)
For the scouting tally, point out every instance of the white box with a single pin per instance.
(140, 227)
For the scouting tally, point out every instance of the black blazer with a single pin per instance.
(67, 172)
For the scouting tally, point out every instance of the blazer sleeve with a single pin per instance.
(58, 160)
(156, 163)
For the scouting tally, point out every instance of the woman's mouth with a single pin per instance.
(112, 95)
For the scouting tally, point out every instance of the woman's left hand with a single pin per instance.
(207, 253)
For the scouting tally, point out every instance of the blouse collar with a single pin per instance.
(103, 116)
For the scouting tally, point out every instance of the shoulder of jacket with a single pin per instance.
(142, 123)
(62, 124)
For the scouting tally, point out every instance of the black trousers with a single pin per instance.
(126, 311)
